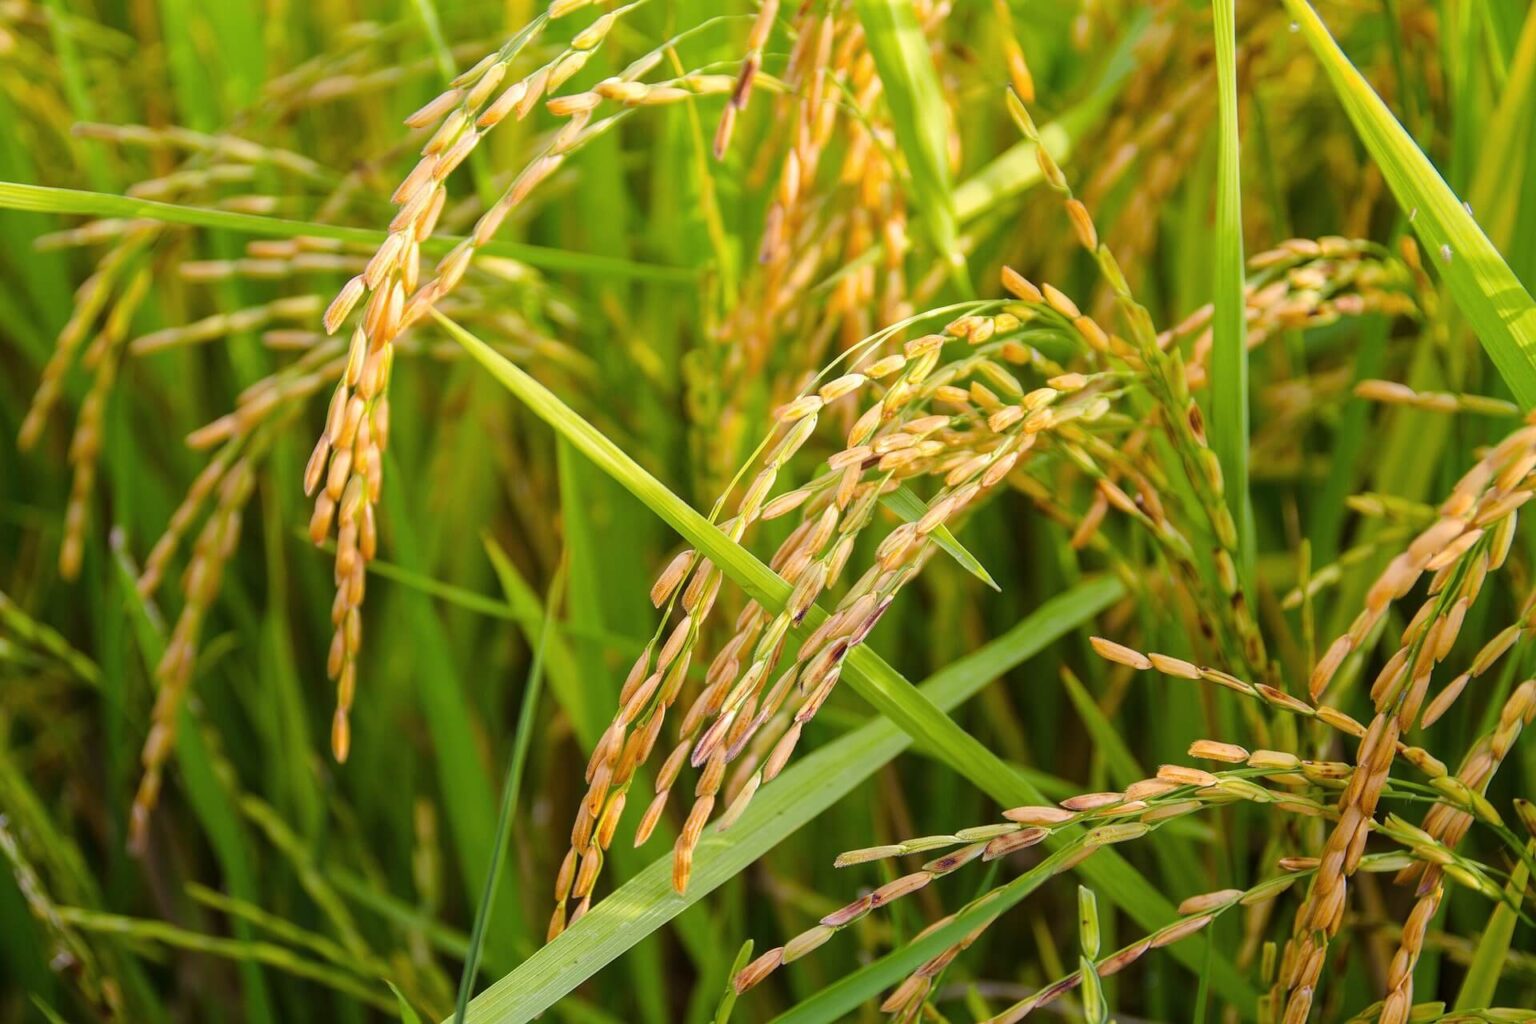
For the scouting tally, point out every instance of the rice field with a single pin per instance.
(783, 510)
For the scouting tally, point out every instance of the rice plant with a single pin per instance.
(842, 510)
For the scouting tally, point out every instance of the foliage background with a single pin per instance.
(279, 885)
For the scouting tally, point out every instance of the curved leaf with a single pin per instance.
(1483, 287)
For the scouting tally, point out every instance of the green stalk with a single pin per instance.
(1229, 354)
(509, 790)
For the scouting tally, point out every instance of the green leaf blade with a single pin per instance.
(1229, 353)
(44, 199)
(909, 708)
(919, 117)
(1483, 287)
(807, 788)
(911, 508)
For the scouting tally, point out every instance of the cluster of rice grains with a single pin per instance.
(107, 304)
(1150, 144)
(345, 465)
(959, 425)
(345, 468)
(1300, 283)
(220, 170)
(1470, 539)
(818, 219)
(833, 258)
(1029, 393)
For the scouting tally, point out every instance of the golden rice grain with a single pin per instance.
(1214, 750)
(757, 970)
(1172, 666)
(1119, 653)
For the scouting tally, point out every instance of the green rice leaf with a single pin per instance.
(239, 951)
(1229, 353)
(41, 199)
(565, 680)
(444, 696)
(838, 1000)
(920, 118)
(806, 789)
(909, 708)
(49, 1013)
(728, 1000)
(911, 508)
(508, 810)
(1483, 287)
(72, 72)
(407, 1014)
(1482, 978)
